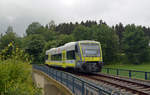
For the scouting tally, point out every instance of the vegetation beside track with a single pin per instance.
(16, 73)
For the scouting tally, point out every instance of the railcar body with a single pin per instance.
(85, 56)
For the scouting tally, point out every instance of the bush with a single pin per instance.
(16, 73)
(16, 78)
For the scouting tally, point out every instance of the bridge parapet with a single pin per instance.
(76, 85)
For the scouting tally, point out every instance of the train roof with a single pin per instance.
(85, 41)
(67, 46)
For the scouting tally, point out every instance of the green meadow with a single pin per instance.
(141, 67)
(145, 67)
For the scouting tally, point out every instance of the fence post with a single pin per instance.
(100, 92)
(53, 74)
(117, 72)
(56, 75)
(130, 74)
(107, 70)
(67, 79)
(145, 75)
(87, 92)
(82, 88)
(48, 71)
(73, 84)
(61, 76)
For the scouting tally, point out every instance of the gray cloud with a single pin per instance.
(21, 13)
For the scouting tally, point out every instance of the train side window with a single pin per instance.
(59, 57)
(52, 57)
(46, 57)
(56, 57)
(76, 48)
(71, 55)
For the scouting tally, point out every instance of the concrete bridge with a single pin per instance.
(49, 85)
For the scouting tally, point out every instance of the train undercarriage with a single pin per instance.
(89, 67)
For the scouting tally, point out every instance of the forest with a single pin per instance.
(120, 43)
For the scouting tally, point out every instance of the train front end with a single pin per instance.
(90, 56)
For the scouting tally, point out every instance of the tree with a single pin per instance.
(119, 28)
(9, 29)
(89, 23)
(109, 41)
(65, 28)
(34, 45)
(146, 31)
(9, 37)
(63, 39)
(48, 35)
(33, 28)
(102, 22)
(51, 44)
(51, 25)
(135, 44)
(82, 33)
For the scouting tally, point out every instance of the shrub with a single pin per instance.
(16, 73)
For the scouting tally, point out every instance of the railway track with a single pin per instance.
(135, 87)
(129, 85)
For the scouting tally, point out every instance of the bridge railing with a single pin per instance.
(76, 85)
(127, 73)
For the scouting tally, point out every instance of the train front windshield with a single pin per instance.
(90, 49)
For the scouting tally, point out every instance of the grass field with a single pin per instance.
(142, 67)
(139, 75)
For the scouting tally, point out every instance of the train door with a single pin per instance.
(64, 58)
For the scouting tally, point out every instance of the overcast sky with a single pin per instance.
(21, 13)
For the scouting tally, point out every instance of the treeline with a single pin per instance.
(120, 43)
